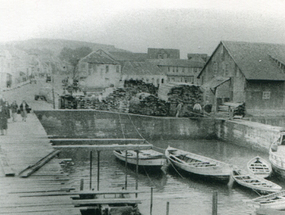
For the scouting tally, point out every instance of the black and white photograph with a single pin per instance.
(140, 107)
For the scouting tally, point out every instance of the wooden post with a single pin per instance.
(126, 169)
(151, 200)
(90, 184)
(167, 208)
(137, 172)
(215, 203)
(81, 184)
(98, 169)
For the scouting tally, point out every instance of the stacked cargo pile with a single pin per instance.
(149, 105)
(141, 86)
(188, 96)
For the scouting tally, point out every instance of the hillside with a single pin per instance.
(56, 45)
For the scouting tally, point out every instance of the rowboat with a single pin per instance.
(255, 183)
(148, 158)
(197, 164)
(277, 155)
(272, 201)
(259, 167)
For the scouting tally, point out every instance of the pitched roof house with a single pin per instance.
(253, 73)
(99, 70)
(145, 71)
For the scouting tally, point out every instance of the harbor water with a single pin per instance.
(186, 193)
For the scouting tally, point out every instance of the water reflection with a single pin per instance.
(188, 194)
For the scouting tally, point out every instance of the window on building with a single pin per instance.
(266, 95)
(162, 80)
(226, 70)
(168, 69)
(215, 68)
(173, 69)
(117, 69)
(107, 79)
(152, 80)
(183, 69)
(107, 69)
(177, 69)
(147, 80)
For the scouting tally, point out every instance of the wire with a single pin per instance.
(121, 126)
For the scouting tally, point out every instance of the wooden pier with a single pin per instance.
(27, 145)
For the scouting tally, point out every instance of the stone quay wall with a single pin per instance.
(104, 124)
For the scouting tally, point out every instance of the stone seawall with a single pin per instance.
(249, 134)
(104, 124)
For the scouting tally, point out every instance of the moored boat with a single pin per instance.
(255, 183)
(148, 158)
(259, 167)
(277, 155)
(198, 164)
(273, 201)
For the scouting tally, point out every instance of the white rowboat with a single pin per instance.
(256, 183)
(148, 158)
(198, 164)
(259, 167)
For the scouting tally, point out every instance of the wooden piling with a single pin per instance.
(126, 170)
(137, 172)
(82, 184)
(151, 200)
(98, 170)
(167, 208)
(215, 203)
(90, 183)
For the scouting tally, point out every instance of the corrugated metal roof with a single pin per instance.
(177, 62)
(97, 58)
(140, 68)
(255, 59)
(129, 56)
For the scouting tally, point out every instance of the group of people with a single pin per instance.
(6, 111)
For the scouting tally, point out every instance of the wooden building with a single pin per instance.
(243, 72)
(144, 71)
(99, 70)
(180, 70)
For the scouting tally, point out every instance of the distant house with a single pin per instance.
(128, 56)
(160, 53)
(253, 73)
(145, 71)
(99, 70)
(180, 70)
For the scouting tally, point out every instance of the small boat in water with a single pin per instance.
(272, 201)
(198, 164)
(277, 155)
(259, 167)
(255, 183)
(148, 158)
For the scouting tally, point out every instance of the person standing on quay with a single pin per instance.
(24, 108)
(14, 108)
(3, 117)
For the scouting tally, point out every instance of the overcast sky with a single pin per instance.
(193, 26)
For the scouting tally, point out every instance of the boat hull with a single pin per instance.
(256, 183)
(259, 167)
(218, 172)
(277, 161)
(150, 162)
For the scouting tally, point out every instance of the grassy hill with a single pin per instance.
(56, 45)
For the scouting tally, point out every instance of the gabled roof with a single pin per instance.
(256, 60)
(98, 57)
(129, 56)
(177, 62)
(141, 68)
